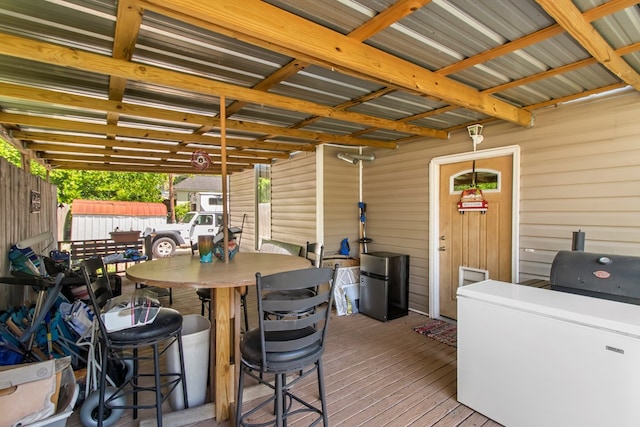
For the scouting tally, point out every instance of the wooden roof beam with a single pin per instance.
(573, 21)
(308, 41)
(116, 167)
(85, 102)
(146, 135)
(67, 57)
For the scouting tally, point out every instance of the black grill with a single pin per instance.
(613, 277)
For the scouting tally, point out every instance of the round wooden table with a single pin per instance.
(186, 271)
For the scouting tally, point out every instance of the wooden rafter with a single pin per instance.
(86, 61)
(574, 22)
(306, 43)
(314, 43)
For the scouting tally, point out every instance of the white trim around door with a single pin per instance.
(434, 209)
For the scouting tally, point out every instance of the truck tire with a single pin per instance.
(164, 247)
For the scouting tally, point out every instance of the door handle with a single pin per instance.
(442, 249)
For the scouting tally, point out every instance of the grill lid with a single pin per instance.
(614, 277)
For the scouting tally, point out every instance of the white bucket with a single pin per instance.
(195, 343)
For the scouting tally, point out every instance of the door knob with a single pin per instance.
(442, 249)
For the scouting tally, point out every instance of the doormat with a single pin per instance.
(439, 330)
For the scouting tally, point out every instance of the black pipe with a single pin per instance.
(577, 243)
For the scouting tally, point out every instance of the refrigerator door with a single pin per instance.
(373, 297)
(374, 264)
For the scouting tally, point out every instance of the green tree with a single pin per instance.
(95, 185)
(264, 190)
(9, 152)
(181, 211)
(98, 185)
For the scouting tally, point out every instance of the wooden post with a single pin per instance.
(225, 195)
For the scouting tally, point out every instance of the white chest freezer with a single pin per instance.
(530, 357)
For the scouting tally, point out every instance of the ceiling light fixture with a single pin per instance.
(475, 132)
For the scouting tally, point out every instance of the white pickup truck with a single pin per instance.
(166, 238)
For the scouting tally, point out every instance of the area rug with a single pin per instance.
(439, 330)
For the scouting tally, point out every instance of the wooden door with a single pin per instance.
(478, 242)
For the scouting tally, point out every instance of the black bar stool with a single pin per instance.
(165, 329)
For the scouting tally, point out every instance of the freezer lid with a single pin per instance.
(605, 314)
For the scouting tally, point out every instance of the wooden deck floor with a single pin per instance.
(377, 374)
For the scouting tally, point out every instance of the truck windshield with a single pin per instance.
(187, 218)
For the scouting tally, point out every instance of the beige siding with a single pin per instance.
(580, 169)
(341, 194)
(294, 214)
(242, 201)
(293, 199)
(395, 191)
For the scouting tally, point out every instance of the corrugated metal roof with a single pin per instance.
(369, 73)
(115, 208)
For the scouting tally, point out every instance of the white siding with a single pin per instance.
(87, 227)
(395, 190)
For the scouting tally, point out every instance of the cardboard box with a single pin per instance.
(68, 395)
(29, 392)
(343, 261)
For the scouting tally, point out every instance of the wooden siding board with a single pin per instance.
(596, 204)
(611, 176)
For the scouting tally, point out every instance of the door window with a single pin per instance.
(485, 180)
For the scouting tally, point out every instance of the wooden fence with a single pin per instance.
(28, 208)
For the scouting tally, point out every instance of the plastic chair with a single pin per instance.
(165, 329)
(47, 294)
(287, 344)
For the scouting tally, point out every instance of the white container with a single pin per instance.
(195, 343)
(533, 357)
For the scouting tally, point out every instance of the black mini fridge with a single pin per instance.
(384, 285)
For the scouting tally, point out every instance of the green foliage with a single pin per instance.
(264, 190)
(181, 211)
(95, 185)
(99, 185)
(480, 185)
(10, 153)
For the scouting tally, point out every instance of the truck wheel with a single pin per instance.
(164, 247)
